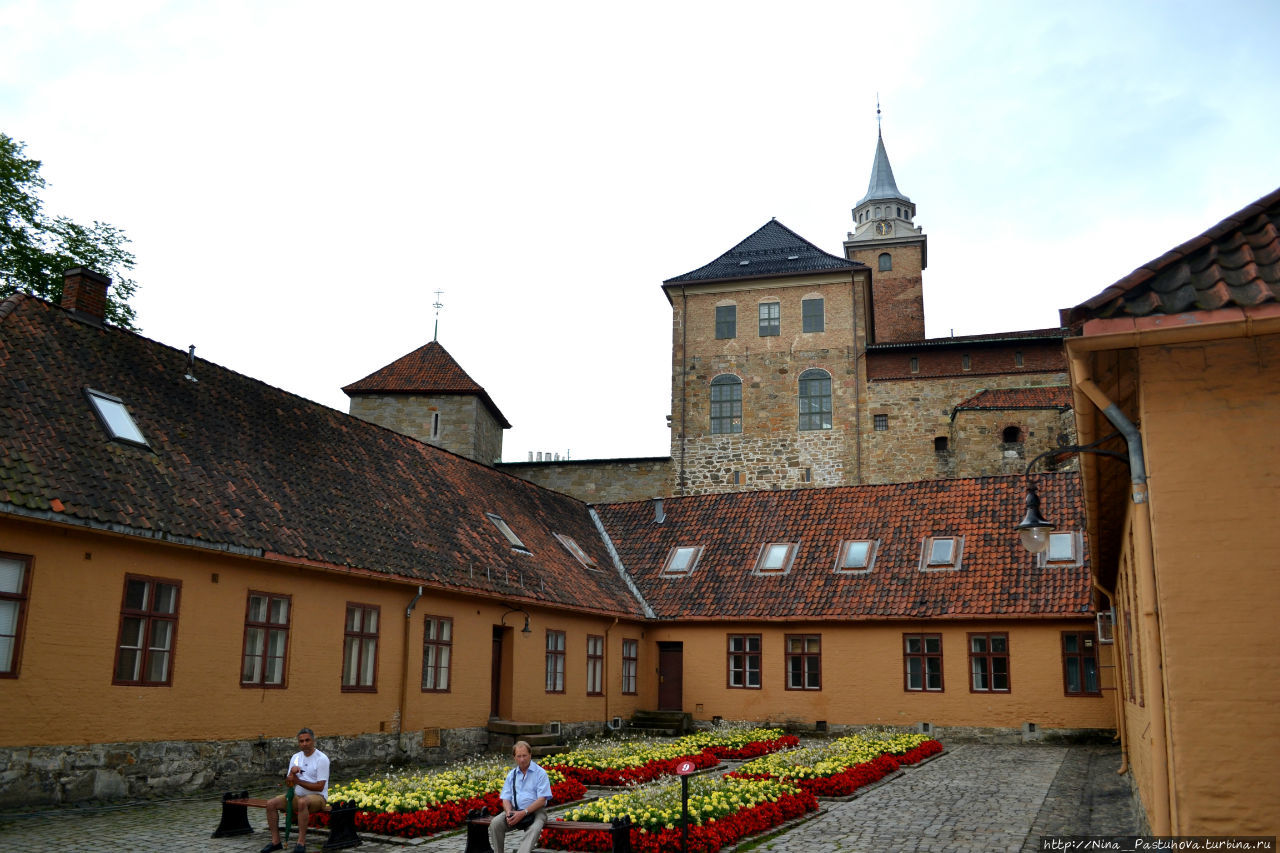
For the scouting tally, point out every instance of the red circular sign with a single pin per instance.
(684, 768)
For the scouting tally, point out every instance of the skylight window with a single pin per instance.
(571, 545)
(507, 532)
(1063, 550)
(743, 263)
(115, 417)
(682, 560)
(856, 556)
(942, 552)
(775, 558)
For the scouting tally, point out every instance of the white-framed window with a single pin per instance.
(1064, 549)
(115, 417)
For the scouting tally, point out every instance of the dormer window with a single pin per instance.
(681, 561)
(571, 545)
(941, 553)
(775, 558)
(115, 417)
(507, 532)
(856, 556)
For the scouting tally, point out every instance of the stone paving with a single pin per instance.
(975, 797)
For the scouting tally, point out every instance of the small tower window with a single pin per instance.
(1011, 435)
(881, 422)
(435, 424)
(915, 364)
(965, 363)
(886, 262)
(940, 444)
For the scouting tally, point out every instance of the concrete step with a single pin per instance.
(510, 727)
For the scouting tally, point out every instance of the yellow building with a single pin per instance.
(1182, 354)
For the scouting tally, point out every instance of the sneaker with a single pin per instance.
(300, 848)
(272, 848)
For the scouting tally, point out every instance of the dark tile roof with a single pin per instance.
(238, 465)
(1236, 263)
(771, 250)
(1046, 397)
(427, 370)
(970, 340)
(997, 578)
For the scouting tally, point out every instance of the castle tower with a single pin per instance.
(428, 396)
(886, 240)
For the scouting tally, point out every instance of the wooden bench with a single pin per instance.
(478, 831)
(235, 819)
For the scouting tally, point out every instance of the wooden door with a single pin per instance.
(495, 676)
(670, 676)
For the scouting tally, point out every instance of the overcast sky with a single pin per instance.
(299, 178)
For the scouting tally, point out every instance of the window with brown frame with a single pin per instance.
(941, 553)
(988, 663)
(555, 661)
(266, 640)
(1064, 549)
(682, 560)
(630, 665)
(1080, 664)
(856, 556)
(571, 545)
(360, 648)
(437, 653)
(922, 660)
(744, 661)
(595, 665)
(15, 582)
(148, 631)
(775, 558)
(804, 661)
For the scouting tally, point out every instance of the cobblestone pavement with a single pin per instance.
(973, 798)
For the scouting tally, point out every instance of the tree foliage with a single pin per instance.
(36, 249)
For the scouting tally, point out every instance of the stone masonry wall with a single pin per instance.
(918, 411)
(596, 481)
(56, 775)
(466, 426)
(898, 294)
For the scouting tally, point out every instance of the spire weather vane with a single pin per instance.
(435, 335)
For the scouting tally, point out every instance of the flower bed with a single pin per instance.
(843, 766)
(721, 812)
(638, 760)
(411, 805)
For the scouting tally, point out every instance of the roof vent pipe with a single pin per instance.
(659, 515)
(191, 365)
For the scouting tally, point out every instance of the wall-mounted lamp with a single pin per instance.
(525, 629)
(1034, 529)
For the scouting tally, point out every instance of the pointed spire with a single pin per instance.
(881, 184)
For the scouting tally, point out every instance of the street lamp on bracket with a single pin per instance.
(1034, 529)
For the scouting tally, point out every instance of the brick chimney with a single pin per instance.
(85, 292)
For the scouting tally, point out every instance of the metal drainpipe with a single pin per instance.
(1144, 563)
(604, 675)
(404, 669)
(684, 381)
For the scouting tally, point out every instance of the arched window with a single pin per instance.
(1011, 435)
(815, 399)
(886, 261)
(726, 404)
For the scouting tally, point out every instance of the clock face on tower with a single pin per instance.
(883, 228)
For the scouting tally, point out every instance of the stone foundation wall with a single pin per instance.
(597, 481)
(66, 774)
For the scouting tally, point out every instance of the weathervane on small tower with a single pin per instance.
(435, 335)
(877, 113)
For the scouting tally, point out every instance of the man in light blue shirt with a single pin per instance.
(525, 795)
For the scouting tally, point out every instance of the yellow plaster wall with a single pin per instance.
(862, 677)
(1211, 422)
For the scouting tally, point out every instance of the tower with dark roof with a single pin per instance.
(428, 396)
(886, 238)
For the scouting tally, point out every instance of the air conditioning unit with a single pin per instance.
(615, 723)
(553, 728)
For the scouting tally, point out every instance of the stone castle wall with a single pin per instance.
(466, 426)
(595, 481)
(898, 294)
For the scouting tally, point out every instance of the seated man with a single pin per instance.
(309, 776)
(524, 794)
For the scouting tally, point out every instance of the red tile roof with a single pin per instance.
(997, 578)
(239, 466)
(427, 370)
(1236, 263)
(1045, 397)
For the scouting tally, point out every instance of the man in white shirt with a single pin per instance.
(525, 793)
(309, 776)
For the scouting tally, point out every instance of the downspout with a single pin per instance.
(605, 674)
(404, 671)
(1119, 699)
(1144, 563)
(684, 380)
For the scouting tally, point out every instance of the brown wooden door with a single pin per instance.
(670, 676)
(495, 677)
